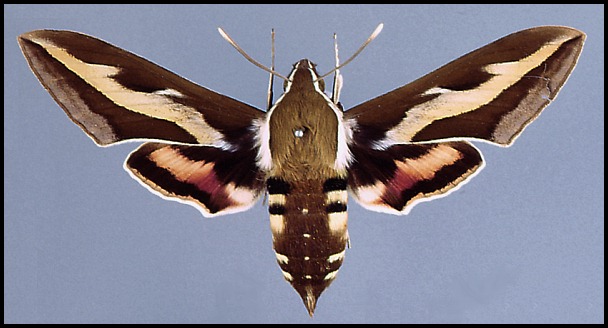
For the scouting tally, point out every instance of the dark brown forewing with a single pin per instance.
(114, 95)
(476, 96)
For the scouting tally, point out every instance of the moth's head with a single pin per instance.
(304, 75)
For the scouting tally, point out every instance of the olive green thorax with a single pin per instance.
(303, 128)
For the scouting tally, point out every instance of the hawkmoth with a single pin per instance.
(305, 152)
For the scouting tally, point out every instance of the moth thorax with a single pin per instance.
(303, 131)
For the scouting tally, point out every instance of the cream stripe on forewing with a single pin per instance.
(453, 102)
(155, 104)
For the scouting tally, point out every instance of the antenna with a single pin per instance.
(271, 80)
(335, 97)
(242, 52)
(370, 39)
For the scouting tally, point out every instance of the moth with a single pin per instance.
(304, 151)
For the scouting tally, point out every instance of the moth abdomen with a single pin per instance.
(309, 227)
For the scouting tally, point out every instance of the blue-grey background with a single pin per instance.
(523, 242)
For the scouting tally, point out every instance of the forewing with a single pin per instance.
(114, 95)
(492, 93)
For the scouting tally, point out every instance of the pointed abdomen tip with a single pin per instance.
(310, 301)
